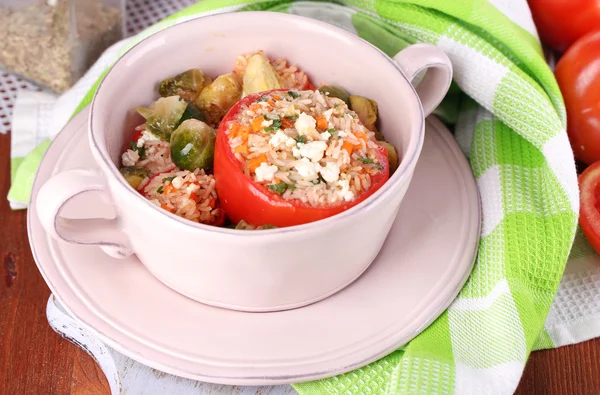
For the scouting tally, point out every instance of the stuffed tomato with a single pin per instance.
(289, 157)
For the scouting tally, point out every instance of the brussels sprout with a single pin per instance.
(187, 85)
(163, 116)
(193, 145)
(260, 75)
(191, 112)
(134, 175)
(217, 98)
(392, 156)
(366, 110)
(243, 225)
(336, 91)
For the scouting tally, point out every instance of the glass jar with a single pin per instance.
(53, 42)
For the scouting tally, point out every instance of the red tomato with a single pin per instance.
(561, 22)
(589, 209)
(578, 75)
(137, 135)
(244, 199)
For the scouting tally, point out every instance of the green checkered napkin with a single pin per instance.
(510, 121)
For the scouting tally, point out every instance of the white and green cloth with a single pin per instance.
(509, 119)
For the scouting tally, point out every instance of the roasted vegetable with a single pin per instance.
(217, 98)
(336, 91)
(366, 110)
(243, 225)
(134, 175)
(187, 85)
(191, 112)
(392, 156)
(260, 75)
(163, 116)
(193, 145)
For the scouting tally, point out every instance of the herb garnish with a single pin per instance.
(281, 187)
(160, 189)
(331, 131)
(301, 139)
(274, 126)
(263, 99)
(168, 179)
(292, 117)
(293, 94)
(366, 161)
(140, 150)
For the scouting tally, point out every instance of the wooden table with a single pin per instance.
(35, 360)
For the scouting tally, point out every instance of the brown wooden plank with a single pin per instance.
(88, 378)
(33, 359)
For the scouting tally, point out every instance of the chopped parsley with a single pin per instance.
(369, 161)
(301, 139)
(168, 178)
(336, 105)
(331, 131)
(281, 187)
(263, 99)
(294, 95)
(366, 161)
(160, 189)
(140, 150)
(274, 126)
(292, 117)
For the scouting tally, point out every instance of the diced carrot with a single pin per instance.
(286, 123)
(255, 107)
(348, 146)
(165, 207)
(257, 123)
(362, 135)
(276, 180)
(241, 149)
(276, 97)
(270, 102)
(168, 189)
(321, 122)
(254, 163)
(234, 130)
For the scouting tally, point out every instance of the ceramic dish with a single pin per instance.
(253, 271)
(424, 262)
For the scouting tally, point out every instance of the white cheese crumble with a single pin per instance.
(345, 191)
(177, 182)
(314, 150)
(280, 138)
(305, 124)
(130, 157)
(265, 172)
(325, 136)
(146, 136)
(186, 150)
(306, 168)
(341, 133)
(266, 123)
(327, 114)
(330, 172)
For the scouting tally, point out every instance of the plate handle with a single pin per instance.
(61, 188)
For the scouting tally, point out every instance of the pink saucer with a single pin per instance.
(426, 259)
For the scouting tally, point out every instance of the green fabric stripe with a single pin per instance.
(14, 166)
(427, 366)
(543, 341)
(21, 190)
